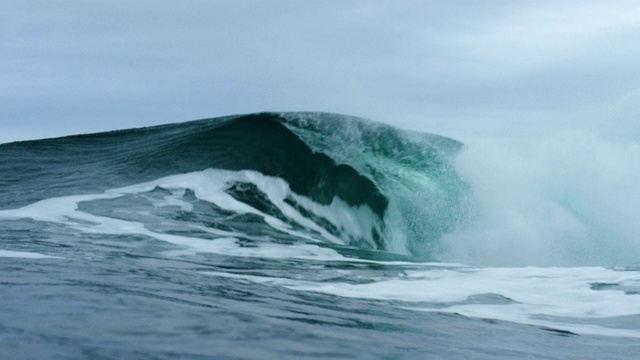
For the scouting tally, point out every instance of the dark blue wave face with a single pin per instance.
(398, 176)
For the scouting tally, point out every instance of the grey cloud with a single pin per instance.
(76, 66)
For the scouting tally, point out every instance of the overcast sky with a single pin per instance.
(505, 68)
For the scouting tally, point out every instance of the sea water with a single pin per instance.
(306, 235)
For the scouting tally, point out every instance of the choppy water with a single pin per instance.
(316, 236)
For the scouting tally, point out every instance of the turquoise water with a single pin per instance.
(310, 235)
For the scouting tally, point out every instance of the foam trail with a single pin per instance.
(25, 255)
(558, 298)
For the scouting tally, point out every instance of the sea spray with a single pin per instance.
(567, 199)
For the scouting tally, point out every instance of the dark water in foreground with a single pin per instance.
(112, 298)
(206, 241)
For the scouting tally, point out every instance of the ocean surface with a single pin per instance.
(317, 236)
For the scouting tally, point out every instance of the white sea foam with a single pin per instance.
(210, 185)
(548, 297)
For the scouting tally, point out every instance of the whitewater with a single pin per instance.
(315, 235)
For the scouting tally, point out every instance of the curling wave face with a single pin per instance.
(307, 176)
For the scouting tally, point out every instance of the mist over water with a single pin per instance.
(561, 200)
